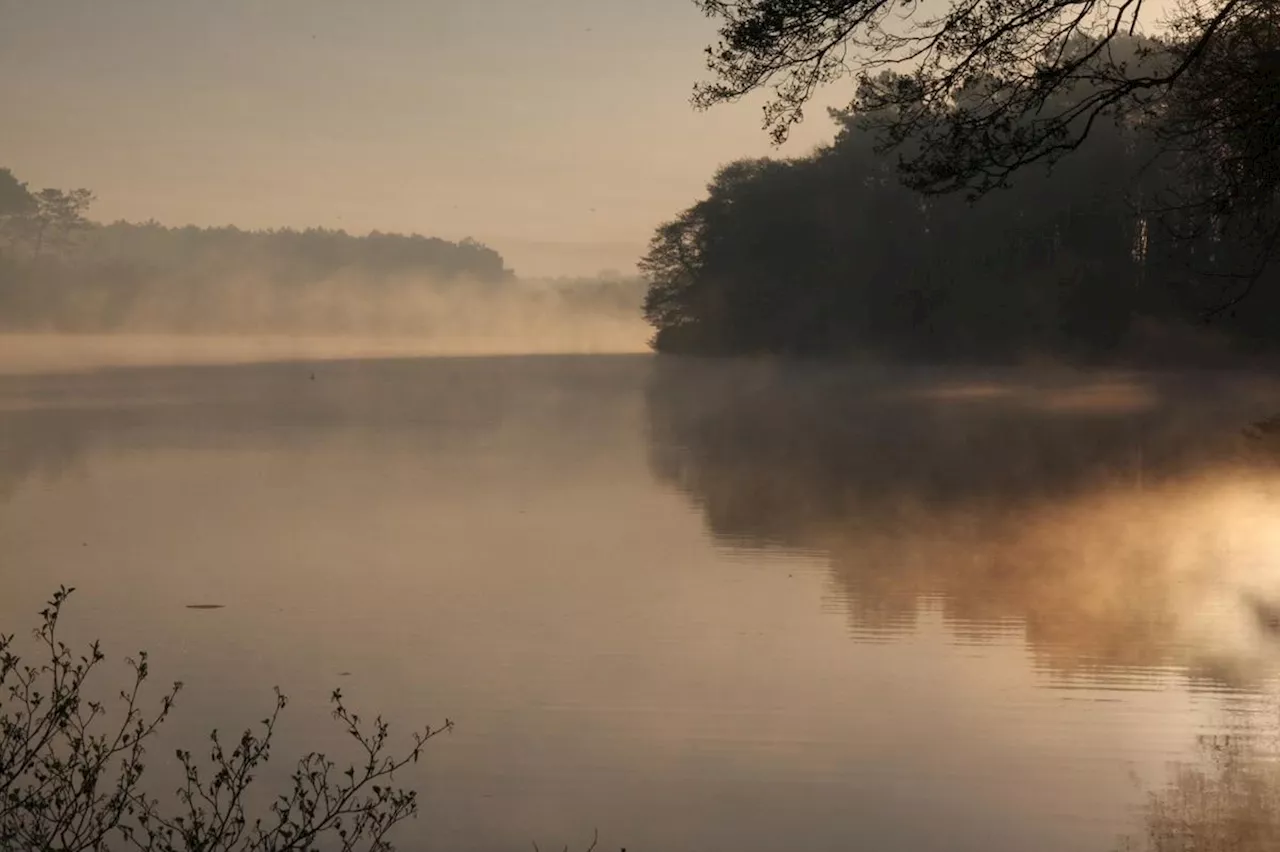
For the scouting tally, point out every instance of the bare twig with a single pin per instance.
(64, 787)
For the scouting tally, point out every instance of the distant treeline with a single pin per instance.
(830, 253)
(60, 271)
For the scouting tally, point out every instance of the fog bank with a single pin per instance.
(344, 320)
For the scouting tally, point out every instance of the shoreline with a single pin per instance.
(54, 352)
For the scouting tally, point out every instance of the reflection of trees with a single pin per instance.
(1228, 802)
(555, 405)
(1054, 504)
(34, 444)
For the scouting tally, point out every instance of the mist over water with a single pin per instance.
(914, 488)
(79, 294)
(733, 595)
(1122, 519)
(245, 322)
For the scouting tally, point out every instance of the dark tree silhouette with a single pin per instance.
(72, 769)
(985, 88)
(997, 72)
(832, 253)
(61, 271)
(15, 199)
(57, 214)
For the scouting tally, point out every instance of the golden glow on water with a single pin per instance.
(1170, 574)
(696, 606)
(1105, 394)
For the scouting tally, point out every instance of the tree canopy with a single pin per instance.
(15, 198)
(832, 254)
(979, 89)
(60, 270)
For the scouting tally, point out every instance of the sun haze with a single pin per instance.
(558, 132)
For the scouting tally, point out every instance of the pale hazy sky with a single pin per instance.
(557, 131)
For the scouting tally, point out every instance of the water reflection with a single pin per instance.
(484, 538)
(1122, 522)
(1228, 801)
(50, 424)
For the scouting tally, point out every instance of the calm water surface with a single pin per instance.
(696, 605)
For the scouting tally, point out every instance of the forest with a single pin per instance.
(60, 271)
(1091, 257)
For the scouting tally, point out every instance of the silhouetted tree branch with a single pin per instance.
(987, 87)
(71, 779)
(57, 214)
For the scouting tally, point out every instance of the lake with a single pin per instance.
(693, 604)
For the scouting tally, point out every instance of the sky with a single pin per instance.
(559, 132)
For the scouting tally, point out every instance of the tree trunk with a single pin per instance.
(35, 255)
